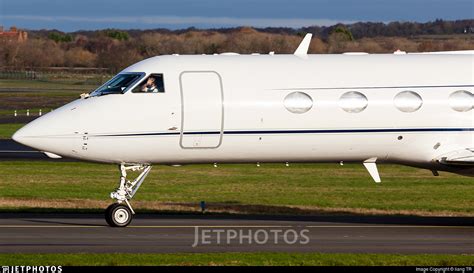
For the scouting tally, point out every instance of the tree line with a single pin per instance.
(115, 49)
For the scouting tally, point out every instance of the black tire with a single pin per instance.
(108, 218)
(118, 215)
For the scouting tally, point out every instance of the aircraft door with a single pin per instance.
(202, 109)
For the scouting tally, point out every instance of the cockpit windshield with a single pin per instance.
(118, 84)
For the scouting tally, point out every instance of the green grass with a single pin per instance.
(316, 259)
(8, 129)
(271, 188)
(49, 85)
(40, 93)
(45, 100)
(22, 112)
(21, 95)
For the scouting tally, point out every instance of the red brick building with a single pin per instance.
(13, 34)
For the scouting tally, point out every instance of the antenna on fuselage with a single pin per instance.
(302, 49)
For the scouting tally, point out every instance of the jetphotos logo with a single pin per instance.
(249, 236)
(31, 269)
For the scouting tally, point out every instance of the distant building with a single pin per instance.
(13, 34)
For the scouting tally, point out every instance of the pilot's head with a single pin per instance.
(150, 81)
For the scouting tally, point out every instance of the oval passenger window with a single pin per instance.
(461, 101)
(408, 101)
(298, 102)
(353, 102)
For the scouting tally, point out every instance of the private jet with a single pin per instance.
(413, 109)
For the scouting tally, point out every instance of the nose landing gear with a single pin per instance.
(120, 214)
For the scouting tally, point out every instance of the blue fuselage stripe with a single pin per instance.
(274, 132)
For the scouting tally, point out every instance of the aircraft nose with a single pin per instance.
(18, 136)
(56, 132)
(26, 135)
(49, 133)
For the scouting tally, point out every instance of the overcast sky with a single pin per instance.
(71, 15)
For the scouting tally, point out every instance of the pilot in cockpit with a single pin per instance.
(150, 85)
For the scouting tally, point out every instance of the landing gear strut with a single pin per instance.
(120, 214)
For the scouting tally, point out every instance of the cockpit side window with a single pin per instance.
(118, 84)
(152, 84)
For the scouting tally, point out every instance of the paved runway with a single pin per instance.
(72, 233)
(10, 149)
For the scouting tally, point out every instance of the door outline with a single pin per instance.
(221, 134)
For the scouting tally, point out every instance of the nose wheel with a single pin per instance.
(118, 215)
(121, 213)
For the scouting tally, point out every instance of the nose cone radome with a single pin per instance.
(19, 135)
(31, 135)
(26, 135)
(49, 133)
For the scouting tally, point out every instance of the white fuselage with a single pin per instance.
(232, 108)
